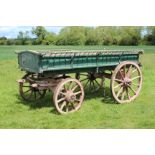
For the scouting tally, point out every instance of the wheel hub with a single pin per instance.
(127, 81)
(91, 77)
(70, 97)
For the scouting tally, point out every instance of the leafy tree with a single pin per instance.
(93, 36)
(74, 35)
(107, 35)
(23, 37)
(50, 38)
(149, 38)
(41, 33)
(10, 41)
(3, 40)
(129, 35)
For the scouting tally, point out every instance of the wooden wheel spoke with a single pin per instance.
(84, 74)
(78, 100)
(70, 85)
(30, 94)
(135, 78)
(74, 88)
(67, 108)
(132, 89)
(65, 87)
(118, 85)
(123, 94)
(118, 80)
(127, 92)
(79, 92)
(27, 91)
(60, 100)
(119, 92)
(97, 82)
(73, 105)
(63, 105)
(62, 93)
(84, 79)
(128, 74)
(90, 85)
(86, 84)
(93, 85)
(121, 74)
(134, 70)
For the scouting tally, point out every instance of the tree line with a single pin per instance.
(78, 35)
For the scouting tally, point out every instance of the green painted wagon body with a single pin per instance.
(60, 62)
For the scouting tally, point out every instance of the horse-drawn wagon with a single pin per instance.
(53, 70)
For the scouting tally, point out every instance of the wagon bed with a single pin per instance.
(71, 61)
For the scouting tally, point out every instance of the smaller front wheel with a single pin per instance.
(68, 96)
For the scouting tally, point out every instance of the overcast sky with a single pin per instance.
(12, 31)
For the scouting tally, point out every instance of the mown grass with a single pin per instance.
(96, 112)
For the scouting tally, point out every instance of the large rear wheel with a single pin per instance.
(126, 82)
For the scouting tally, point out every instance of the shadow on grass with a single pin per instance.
(47, 101)
(44, 102)
(105, 94)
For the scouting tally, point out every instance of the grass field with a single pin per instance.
(96, 112)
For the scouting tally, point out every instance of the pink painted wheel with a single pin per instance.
(68, 96)
(126, 82)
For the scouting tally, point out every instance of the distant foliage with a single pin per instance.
(149, 38)
(74, 35)
(79, 35)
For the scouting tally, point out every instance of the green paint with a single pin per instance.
(62, 62)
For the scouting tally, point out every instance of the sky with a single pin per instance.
(12, 31)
